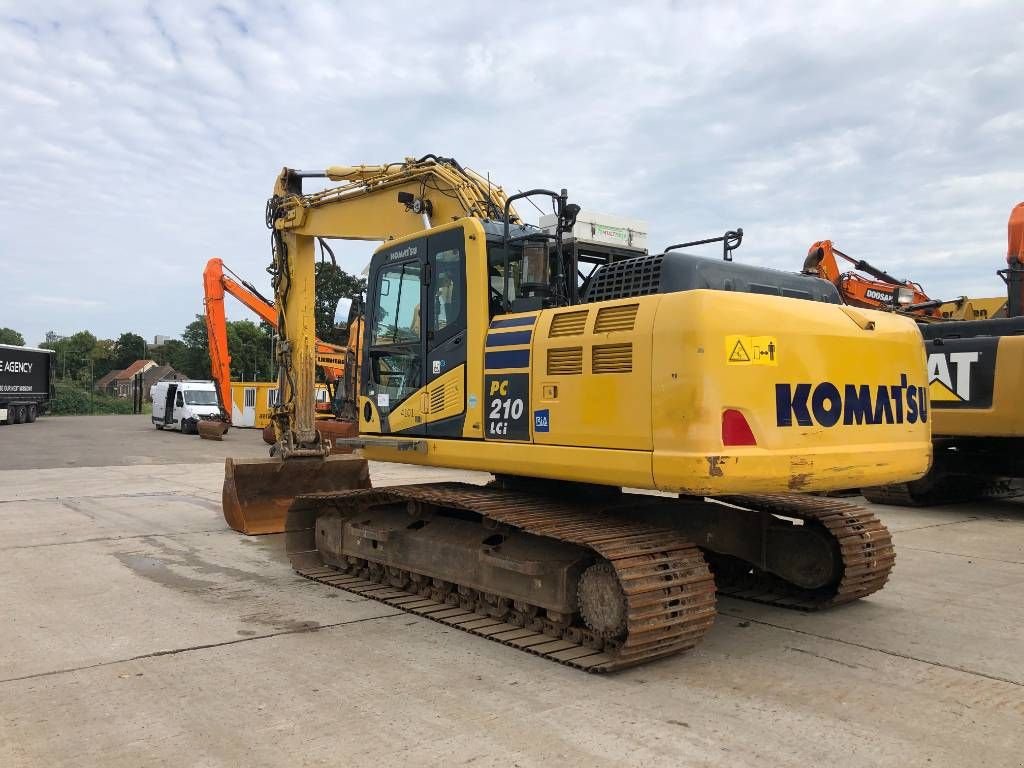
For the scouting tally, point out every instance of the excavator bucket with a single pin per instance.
(212, 429)
(258, 492)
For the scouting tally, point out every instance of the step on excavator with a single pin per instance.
(975, 370)
(582, 374)
(219, 281)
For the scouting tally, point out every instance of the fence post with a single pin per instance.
(137, 394)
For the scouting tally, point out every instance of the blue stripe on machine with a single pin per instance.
(513, 322)
(508, 339)
(509, 358)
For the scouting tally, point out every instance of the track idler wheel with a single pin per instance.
(601, 601)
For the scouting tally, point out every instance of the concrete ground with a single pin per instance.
(140, 631)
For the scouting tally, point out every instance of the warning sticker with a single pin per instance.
(751, 350)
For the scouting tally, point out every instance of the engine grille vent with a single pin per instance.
(613, 358)
(616, 319)
(622, 279)
(569, 323)
(566, 361)
(444, 397)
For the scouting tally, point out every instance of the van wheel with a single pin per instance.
(188, 427)
(31, 416)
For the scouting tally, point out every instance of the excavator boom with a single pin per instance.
(219, 280)
(883, 292)
(372, 202)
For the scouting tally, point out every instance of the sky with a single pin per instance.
(140, 139)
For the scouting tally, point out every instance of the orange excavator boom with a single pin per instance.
(1014, 272)
(877, 292)
(219, 280)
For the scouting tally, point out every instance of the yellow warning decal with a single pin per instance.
(751, 350)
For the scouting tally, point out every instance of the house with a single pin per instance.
(105, 384)
(159, 373)
(123, 383)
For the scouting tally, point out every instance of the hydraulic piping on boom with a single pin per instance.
(372, 202)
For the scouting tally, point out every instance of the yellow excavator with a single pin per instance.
(975, 369)
(571, 369)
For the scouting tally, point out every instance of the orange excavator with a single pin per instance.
(882, 292)
(1013, 275)
(330, 358)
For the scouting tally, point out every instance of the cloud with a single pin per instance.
(70, 302)
(142, 140)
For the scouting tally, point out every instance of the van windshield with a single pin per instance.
(200, 397)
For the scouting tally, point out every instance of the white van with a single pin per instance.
(183, 404)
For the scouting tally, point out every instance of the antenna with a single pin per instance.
(530, 201)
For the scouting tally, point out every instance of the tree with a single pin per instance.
(11, 336)
(249, 347)
(128, 348)
(173, 353)
(74, 356)
(102, 356)
(332, 285)
(196, 360)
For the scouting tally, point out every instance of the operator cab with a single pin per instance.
(607, 259)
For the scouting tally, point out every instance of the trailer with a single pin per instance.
(252, 402)
(26, 383)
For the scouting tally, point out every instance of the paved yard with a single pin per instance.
(139, 630)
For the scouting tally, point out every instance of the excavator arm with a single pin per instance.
(373, 202)
(879, 292)
(219, 280)
(1014, 272)
(370, 202)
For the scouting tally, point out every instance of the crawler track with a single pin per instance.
(667, 588)
(943, 490)
(864, 543)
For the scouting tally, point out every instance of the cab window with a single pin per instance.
(397, 314)
(447, 290)
(396, 354)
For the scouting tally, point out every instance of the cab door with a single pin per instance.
(444, 399)
(395, 346)
(248, 408)
(179, 407)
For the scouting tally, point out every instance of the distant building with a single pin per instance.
(123, 384)
(159, 341)
(159, 373)
(105, 384)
